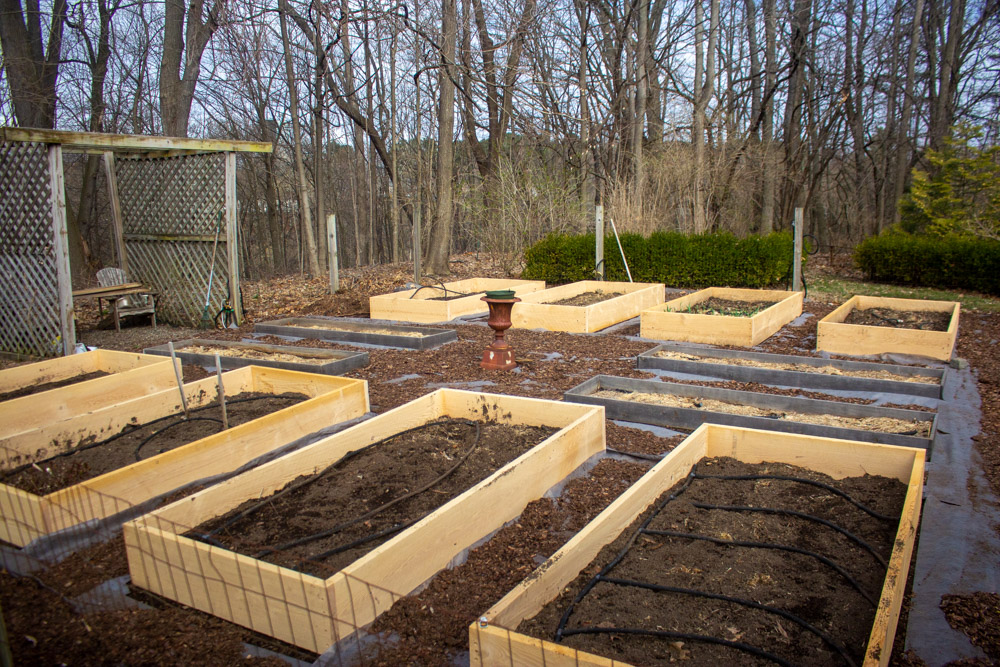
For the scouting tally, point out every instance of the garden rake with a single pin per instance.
(207, 322)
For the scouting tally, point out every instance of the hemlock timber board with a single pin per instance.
(708, 366)
(314, 613)
(420, 304)
(691, 418)
(327, 362)
(354, 331)
(834, 335)
(493, 642)
(130, 375)
(536, 310)
(670, 321)
(25, 516)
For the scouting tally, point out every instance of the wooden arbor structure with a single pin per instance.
(171, 198)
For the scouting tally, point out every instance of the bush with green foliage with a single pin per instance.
(959, 193)
(671, 258)
(947, 262)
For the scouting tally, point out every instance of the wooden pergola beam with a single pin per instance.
(86, 142)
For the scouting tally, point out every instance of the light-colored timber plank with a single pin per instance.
(79, 141)
(358, 593)
(834, 335)
(499, 645)
(418, 305)
(536, 310)
(669, 321)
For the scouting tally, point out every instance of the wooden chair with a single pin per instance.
(135, 303)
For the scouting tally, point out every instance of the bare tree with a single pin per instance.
(440, 240)
(186, 32)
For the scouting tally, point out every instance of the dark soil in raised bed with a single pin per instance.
(730, 308)
(90, 459)
(796, 583)
(899, 319)
(586, 299)
(55, 384)
(345, 494)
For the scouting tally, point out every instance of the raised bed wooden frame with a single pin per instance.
(494, 642)
(691, 418)
(337, 362)
(25, 516)
(357, 331)
(670, 321)
(536, 312)
(130, 375)
(795, 378)
(417, 305)
(835, 336)
(314, 613)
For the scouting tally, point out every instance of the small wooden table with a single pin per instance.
(115, 292)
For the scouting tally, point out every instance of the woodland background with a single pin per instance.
(470, 125)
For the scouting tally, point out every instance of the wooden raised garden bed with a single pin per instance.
(595, 309)
(127, 375)
(765, 312)
(354, 331)
(836, 335)
(676, 405)
(25, 516)
(795, 371)
(201, 352)
(496, 641)
(313, 612)
(446, 301)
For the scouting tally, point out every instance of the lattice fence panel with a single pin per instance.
(29, 280)
(165, 202)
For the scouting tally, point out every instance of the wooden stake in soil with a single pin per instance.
(177, 374)
(222, 392)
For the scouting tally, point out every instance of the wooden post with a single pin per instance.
(116, 210)
(232, 244)
(797, 253)
(60, 249)
(177, 375)
(222, 392)
(331, 231)
(599, 241)
(416, 244)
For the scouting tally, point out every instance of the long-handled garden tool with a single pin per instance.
(207, 322)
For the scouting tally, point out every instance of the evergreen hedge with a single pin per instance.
(671, 258)
(948, 262)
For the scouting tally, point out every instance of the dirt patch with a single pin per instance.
(841, 603)
(321, 523)
(432, 627)
(729, 308)
(586, 298)
(55, 384)
(879, 424)
(802, 368)
(978, 617)
(899, 319)
(87, 460)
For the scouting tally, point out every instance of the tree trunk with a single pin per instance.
(301, 185)
(440, 241)
(903, 142)
(641, 92)
(31, 67)
(768, 166)
(184, 43)
(704, 82)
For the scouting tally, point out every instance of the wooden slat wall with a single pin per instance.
(29, 273)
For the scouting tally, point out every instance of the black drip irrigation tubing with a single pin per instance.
(127, 431)
(442, 288)
(209, 537)
(801, 515)
(170, 426)
(563, 631)
(666, 634)
(803, 480)
(740, 601)
(635, 455)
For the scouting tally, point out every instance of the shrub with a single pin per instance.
(672, 258)
(948, 262)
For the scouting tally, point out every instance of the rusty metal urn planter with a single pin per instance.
(499, 356)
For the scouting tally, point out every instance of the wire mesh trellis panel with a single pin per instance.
(171, 210)
(29, 276)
